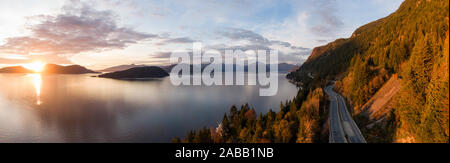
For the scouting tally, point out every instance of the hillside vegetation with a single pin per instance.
(411, 43)
(297, 121)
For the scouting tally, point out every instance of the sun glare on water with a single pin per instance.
(36, 80)
(36, 66)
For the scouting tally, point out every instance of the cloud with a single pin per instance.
(242, 34)
(241, 39)
(294, 58)
(161, 55)
(223, 47)
(326, 13)
(299, 48)
(321, 41)
(179, 40)
(12, 60)
(79, 28)
(254, 38)
(21, 59)
(250, 40)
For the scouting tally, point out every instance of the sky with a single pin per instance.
(104, 33)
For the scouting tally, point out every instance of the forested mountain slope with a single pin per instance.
(411, 43)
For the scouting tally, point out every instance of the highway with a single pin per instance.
(342, 127)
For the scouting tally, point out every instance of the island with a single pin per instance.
(137, 73)
(120, 68)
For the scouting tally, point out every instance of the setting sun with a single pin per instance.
(36, 66)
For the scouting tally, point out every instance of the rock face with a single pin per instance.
(73, 69)
(137, 72)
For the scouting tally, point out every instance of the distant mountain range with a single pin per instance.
(282, 67)
(141, 71)
(127, 71)
(50, 69)
(285, 67)
(72, 69)
(15, 69)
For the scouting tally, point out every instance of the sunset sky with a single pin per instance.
(104, 33)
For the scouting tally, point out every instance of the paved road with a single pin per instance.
(342, 127)
(337, 134)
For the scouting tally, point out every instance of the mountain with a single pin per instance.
(126, 67)
(120, 68)
(411, 44)
(137, 72)
(285, 67)
(282, 67)
(72, 69)
(15, 69)
(50, 69)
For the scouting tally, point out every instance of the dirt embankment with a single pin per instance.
(375, 109)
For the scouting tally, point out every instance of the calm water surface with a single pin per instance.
(80, 108)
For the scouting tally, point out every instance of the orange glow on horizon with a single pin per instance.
(36, 66)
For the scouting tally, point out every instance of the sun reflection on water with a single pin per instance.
(36, 80)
